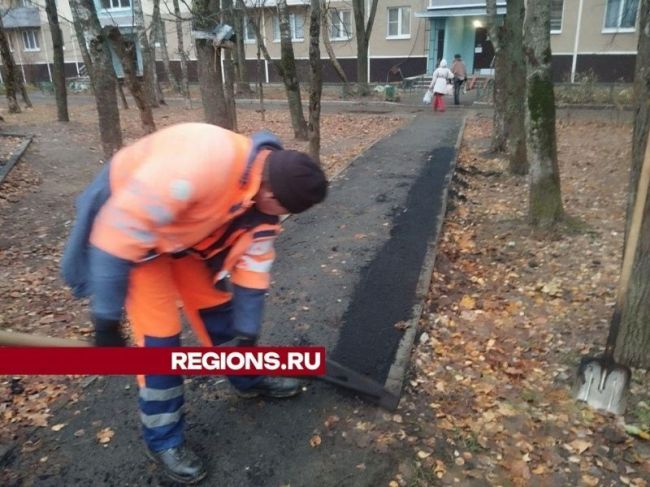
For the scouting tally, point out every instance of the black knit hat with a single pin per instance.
(297, 182)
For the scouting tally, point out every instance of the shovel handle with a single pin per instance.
(629, 254)
(15, 339)
(635, 226)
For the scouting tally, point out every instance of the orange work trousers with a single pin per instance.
(156, 289)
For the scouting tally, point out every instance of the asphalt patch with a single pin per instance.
(385, 294)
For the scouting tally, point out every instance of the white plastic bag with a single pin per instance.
(450, 89)
(427, 97)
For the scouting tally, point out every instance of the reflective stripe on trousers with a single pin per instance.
(161, 403)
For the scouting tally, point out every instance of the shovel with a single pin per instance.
(601, 382)
(335, 374)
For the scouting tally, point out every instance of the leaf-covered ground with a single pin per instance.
(510, 313)
(36, 212)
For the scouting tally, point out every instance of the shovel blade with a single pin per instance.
(603, 386)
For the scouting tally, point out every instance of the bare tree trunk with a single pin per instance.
(500, 94)
(23, 93)
(9, 73)
(162, 38)
(633, 341)
(260, 85)
(315, 79)
(160, 96)
(148, 61)
(131, 78)
(85, 55)
(286, 68)
(328, 46)
(290, 78)
(159, 35)
(120, 91)
(58, 75)
(240, 52)
(101, 73)
(209, 63)
(545, 199)
(185, 84)
(516, 87)
(229, 68)
(363, 31)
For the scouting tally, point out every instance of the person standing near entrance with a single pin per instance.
(460, 76)
(439, 81)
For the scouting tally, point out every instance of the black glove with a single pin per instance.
(244, 341)
(108, 333)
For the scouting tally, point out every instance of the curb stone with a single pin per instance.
(6, 168)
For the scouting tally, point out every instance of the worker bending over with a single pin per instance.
(188, 214)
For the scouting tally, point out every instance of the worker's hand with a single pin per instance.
(108, 333)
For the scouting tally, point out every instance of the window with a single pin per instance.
(399, 22)
(115, 4)
(297, 25)
(249, 32)
(557, 7)
(30, 40)
(621, 15)
(340, 22)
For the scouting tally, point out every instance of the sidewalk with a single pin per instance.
(346, 274)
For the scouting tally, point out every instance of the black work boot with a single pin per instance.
(277, 387)
(180, 464)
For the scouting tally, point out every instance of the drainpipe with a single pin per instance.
(368, 56)
(73, 41)
(575, 45)
(263, 33)
(47, 58)
(20, 58)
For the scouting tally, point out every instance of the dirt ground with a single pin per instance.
(36, 211)
(510, 313)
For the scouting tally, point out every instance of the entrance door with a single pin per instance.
(440, 46)
(483, 50)
(436, 44)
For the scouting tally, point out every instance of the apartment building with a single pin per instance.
(408, 38)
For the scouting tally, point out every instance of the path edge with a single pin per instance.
(398, 369)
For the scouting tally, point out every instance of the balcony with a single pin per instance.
(460, 8)
(21, 17)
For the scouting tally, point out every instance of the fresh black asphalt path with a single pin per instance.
(346, 273)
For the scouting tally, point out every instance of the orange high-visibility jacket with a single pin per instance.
(175, 187)
(178, 190)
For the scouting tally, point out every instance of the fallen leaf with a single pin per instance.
(402, 325)
(590, 480)
(58, 427)
(579, 446)
(520, 469)
(439, 469)
(315, 441)
(636, 431)
(331, 421)
(539, 470)
(467, 302)
(105, 435)
(423, 454)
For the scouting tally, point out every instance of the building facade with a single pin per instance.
(408, 38)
